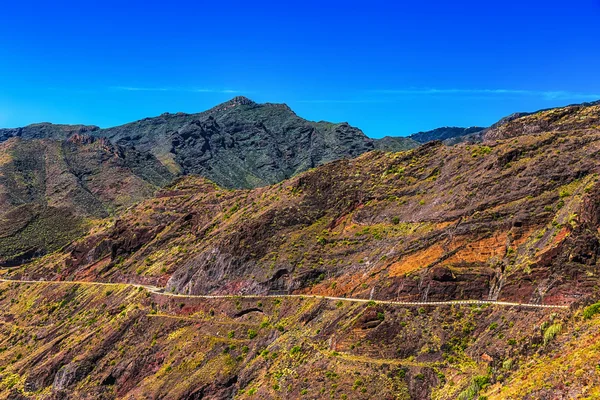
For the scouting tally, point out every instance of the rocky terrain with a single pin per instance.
(514, 217)
(57, 177)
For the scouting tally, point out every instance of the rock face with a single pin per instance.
(49, 190)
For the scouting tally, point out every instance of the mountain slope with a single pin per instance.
(505, 220)
(49, 189)
(577, 116)
(81, 341)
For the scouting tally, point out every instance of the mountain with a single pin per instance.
(444, 133)
(424, 213)
(241, 144)
(51, 189)
(514, 218)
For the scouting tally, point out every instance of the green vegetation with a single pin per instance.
(551, 332)
(592, 310)
(472, 392)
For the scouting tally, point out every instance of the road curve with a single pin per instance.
(161, 292)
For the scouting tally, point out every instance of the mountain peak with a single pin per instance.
(239, 101)
(236, 101)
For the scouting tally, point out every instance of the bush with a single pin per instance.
(551, 332)
(592, 310)
(472, 392)
(395, 220)
(252, 333)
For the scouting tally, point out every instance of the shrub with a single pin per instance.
(395, 220)
(551, 332)
(252, 333)
(592, 310)
(380, 316)
(472, 392)
(295, 350)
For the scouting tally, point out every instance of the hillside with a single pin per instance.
(504, 220)
(50, 190)
(514, 218)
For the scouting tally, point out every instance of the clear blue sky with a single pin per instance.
(390, 68)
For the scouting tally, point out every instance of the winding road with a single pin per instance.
(162, 292)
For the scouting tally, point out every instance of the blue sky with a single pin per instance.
(390, 68)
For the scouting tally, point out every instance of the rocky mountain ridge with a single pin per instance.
(240, 143)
